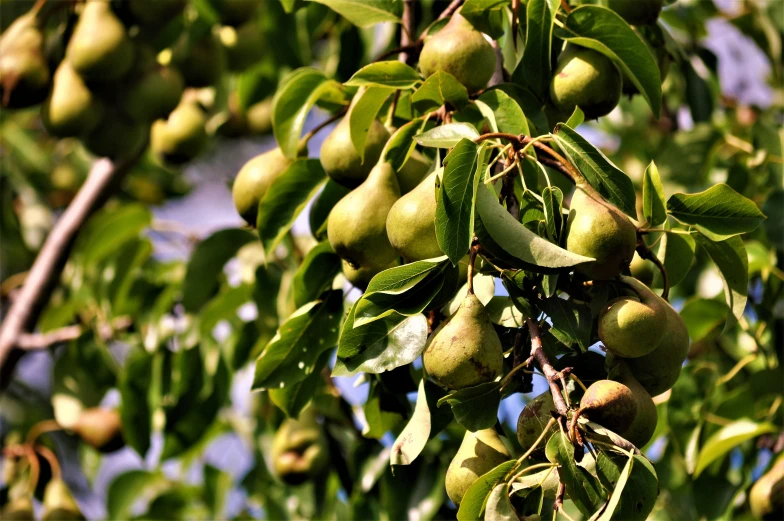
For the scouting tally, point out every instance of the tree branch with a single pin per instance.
(407, 31)
(32, 341)
(537, 351)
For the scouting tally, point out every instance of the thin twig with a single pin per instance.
(537, 351)
(566, 6)
(49, 456)
(40, 428)
(32, 341)
(323, 124)
(646, 253)
(407, 31)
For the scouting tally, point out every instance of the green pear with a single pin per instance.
(155, 14)
(585, 78)
(182, 136)
(100, 428)
(18, 509)
(340, 159)
(356, 226)
(766, 496)
(413, 171)
(610, 404)
(253, 181)
(479, 453)
(642, 270)
(236, 12)
(637, 12)
(24, 74)
(59, 505)
(411, 226)
(244, 46)
(465, 350)
(99, 48)
(644, 424)
(632, 327)
(460, 50)
(532, 421)
(115, 136)
(154, 94)
(259, 117)
(200, 61)
(299, 449)
(361, 277)
(71, 109)
(599, 230)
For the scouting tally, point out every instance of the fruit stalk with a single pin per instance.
(645, 253)
(537, 351)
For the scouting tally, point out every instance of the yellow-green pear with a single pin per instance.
(460, 50)
(637, 12)
(59, 505)
(155, 13)
(598, 230)
(200, 61)
(18, 509)
(413, 171)
(340, 159)
(154, 94)
(71, 109)
(411, 226)
(116, 136)
(356, 226)
(299, 449)
(585, 78)
(766, 496)
(254, 179)
(632, 327)
(99, 48)
(100, 428)
(259, 117)
(610, 404)
(465, 350)
(644, 424)
(244, 45)
(479, 453)
(642, 270)
(182, 136)
(24, 73)
(532, 421)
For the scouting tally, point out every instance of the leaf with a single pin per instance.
(292, 399)
(136, 414)
(617, 490)
(729, 437)
(486, 16)
(363, 114)
(583, 489)
(107, 231)
(126, 489)
(602, 30)
(298, 93)
(517, 240)
(473, 502)
(456, 198)
(206, 264)
(600, 172)
(702, 317)
(315, 275)
(499, 506)
(553, 214)
(447, 136)
(285, 199)
(653, 208)
(676, 251)
(322, 205)
(426, 422)
(365, 13)
(399, 147)
(503, 112)
(571, 321)
(718, 213)
(292, 353)
(576, 119)
(733, 264)
(503, 312)
(475, 408)
(535, 68)
(393, 74)
(217, 485)
(439, 88)
(641, 488)
(380, 417)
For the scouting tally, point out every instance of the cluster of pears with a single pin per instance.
(100, 428)
(299, 449)
(58, 503)
(480, 452)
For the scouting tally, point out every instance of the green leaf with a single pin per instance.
(285, 199)
(733, 264)
(217, 485)
(571, 321)
(718, 213)
(292, 399)
(641, 488)
(503, 112)
(475, 408)
(552, 196)
(503, 312)
(456, 197)
(676, 251)
(322, 205)
(393, 74)
(729, 437)
(499, 506)
(426, 422)
(379, 416)
(400, 145)
(315, 275)
(292, 354)
(363, 114)
(583, 489)
(602, 30)
(576, 119)
(135, 386)
(438, 89)
(653, 208)
(486, 16)
(535, 68)
(126, 489)
(206, 264)
(473, 502)
(109, 230)
(600, 172)
(702, 317)
(365, 13)
(447, 136)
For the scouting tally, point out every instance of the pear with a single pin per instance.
(637, 12)
(115, 136)
(766, 497)
(356, 226)
(236, 12)
(464, 351)
(585, 78)
(100, 428)
(155, 14)
(411, 226)
(59, 505)
(24, 74)
(71, 109)
(642, 270)
(259, 117)
(244, 46)
(299, 449)
(253, 181)
(200, 61)
(340, 159)
(182, 136)
(460, 50)
(644, 424)
(598, 230)
(154, 94)
(479, 453)
(610, 404)
(532, 421)
(18, 509)
(361, 277)
(99, 48)
(413, 171)
(632, 327)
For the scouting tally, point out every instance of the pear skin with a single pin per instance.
(71, 109)
(585, 78)
(361, 277)
(644, 425)
(59, 504)
(479, 453)
(100, 428)
(411, 226)
(299, 449)
(766, 497)
(610, 404)
(460, 50)
(182, 136)
(259, 117)
(340, 159)
(465, 351)
(24, 73)
(253, 181)
(642, 270)
(532, 421)
(413, 171)
(600, 231)
(99, 48)
(18, 509)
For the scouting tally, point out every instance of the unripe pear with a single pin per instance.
(259, 117)
(71, 109)
(610, 404)
(766, 496)
(100, 428)
(299, 449)
(599, 230)
(356, 226)
(460, 50)
(244, 45)
(631, 327)
(413, 171)
(637, 12)
(465, 350)
(585, 78)
(115, 136)
(644, 425)
(154, 94)
(532, 421)
(340, 159)
(99, 48)
(201, 61)
(642, 270)
(155, 14)
(253, 181)
(182, 136)
(411, 223)
(18, 509)
(479, 453)
(361, 277)
(24, 74)
(59, 505)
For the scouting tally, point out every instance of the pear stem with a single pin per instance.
(471, 259)
(49, 456)
(646, 253)
(537, 351)
(40, 428)
(318, 128)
